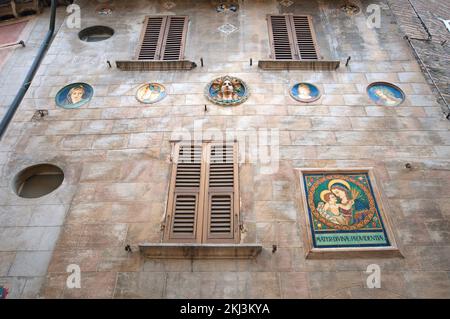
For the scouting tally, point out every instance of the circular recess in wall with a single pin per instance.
(38, 180)
(96, 33)
(385, 94)
(305, 92)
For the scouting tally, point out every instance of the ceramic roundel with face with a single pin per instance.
(385, 94)
(74, 95)
(304, 92)
(150, 93)
(227, 90)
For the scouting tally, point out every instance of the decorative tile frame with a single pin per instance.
(313, 251)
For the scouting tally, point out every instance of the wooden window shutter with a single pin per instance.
(185, 197)
(292, 37)
(151, 38)
(222, 207)
(174, 38)
(163, 38)
(305, 37)
(281, 37)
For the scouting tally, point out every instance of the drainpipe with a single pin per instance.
(30, 75)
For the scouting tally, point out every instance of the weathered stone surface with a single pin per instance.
(29, 264)
(115, 155)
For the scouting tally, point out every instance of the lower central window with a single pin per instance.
(203, 204)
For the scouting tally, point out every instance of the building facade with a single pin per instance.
(114, 214)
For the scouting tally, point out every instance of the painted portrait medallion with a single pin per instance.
(74, 95)
(385, 94)
(150, 93)
(227, 90)
(305, 92)
(343, 211)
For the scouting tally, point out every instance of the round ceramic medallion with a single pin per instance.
(304, 92)
(150, 93)
(385, 94)
(227, 90)
(74, 95)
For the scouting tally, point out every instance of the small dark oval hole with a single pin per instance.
(38, 180)
(96, 33)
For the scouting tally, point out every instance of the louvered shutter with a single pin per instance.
(174, 38)
(151, 38)
(185, 199)
(163, 38)
(305, 37)
(281, 37)
(292, 37)
(221, 215)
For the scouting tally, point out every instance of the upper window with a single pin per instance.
(203, 204)
(292, 37)
(163, 38)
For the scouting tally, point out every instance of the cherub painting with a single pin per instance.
(227, 90)
(74, 95)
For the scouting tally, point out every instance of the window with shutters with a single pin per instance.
(292, 37)
(161, 45)
(203, 203)
(293, 44)
(163, 38)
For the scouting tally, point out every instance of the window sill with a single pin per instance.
(154, 65)
(200, 251)
(304, 65)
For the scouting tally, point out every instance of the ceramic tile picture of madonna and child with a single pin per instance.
(343, 210)
(74, 95)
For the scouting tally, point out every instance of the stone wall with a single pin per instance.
(115, 156)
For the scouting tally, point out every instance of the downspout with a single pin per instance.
(31, 73)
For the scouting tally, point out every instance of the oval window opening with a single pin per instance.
(96, 33)
(38, 180)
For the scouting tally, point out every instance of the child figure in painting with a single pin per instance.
(331, 209)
